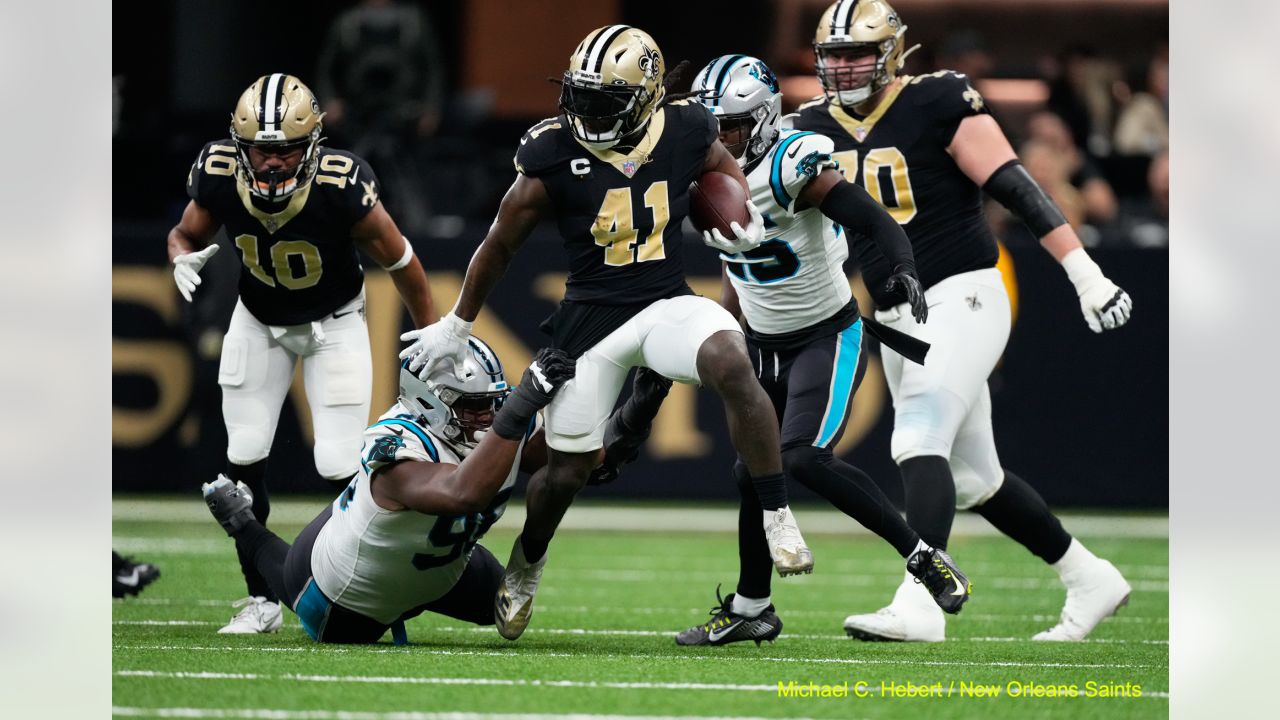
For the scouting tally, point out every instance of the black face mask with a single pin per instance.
(600, 109)
(731, 123)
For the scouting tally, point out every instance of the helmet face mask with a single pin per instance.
(276, 116)
(849, 32)
(457, 410)
(743, 93)
(612, 87)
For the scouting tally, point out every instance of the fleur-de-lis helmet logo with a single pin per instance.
(649, 61)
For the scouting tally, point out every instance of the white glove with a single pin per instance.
(1105, 306)
(186, 269)
(743, 239)
(444, 340)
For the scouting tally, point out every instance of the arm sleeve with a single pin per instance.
(797, 160)
(853, 208)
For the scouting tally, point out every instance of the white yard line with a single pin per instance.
(272, 714)
(691, 517)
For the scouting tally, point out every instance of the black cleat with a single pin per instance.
(726, 627)
(129, 577)
(938, 572)
(231, 503)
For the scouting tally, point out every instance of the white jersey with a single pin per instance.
(796, 277)
(382, 563)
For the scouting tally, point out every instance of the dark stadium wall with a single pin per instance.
(1082, 417)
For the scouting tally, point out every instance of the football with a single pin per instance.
(715, 200)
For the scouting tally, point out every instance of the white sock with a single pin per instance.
(920, 545)
(1075, 559)
(748, 607)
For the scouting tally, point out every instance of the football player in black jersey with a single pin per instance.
(926, 148)
(297, 212)
(614, 171)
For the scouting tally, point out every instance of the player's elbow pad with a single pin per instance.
(1014, 188)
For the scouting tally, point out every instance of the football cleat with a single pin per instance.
(786, 546)
(230, 503)
(129, 578)
(513, 605)
(936, 570)
(727, 627)
(258, 615)
(1091, 598)
(911, 617)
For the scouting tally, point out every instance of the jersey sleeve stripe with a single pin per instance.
(426, 441)
(775, 175)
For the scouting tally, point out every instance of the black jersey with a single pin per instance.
(299, 263)
(620, 215)
(902, 146)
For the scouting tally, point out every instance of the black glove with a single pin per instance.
(548, 372)
(622, 442)
(906, 280)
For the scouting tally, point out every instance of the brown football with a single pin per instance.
(715, 200)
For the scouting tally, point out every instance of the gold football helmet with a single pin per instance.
(612, 86)
(277, 115)
(857, 28)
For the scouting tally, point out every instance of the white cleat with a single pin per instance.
(786, 546)
(258, 616)
(513, 605)
(911, 617)
(1092, 596)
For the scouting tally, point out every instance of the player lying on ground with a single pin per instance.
(940, 148)
(297, 211)
(804, 334)
(435, 474)
(614, 171)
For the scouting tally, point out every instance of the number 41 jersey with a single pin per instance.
(898, 153)
(299, 263)
(382, 563)
(795, 279)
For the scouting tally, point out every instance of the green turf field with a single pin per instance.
(600, 643)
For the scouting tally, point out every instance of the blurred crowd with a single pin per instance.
(1095, 135)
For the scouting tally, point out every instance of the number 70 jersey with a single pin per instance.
(796, 278)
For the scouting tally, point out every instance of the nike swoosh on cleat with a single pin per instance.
(131, 579)
(959, 590)
(715, 636)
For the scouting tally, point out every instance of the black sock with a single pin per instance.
(931, 497)
(852, 492)
(755, 566)
(771, 491)
(266, 553)
(1018, 511)
(534, 548)
(116, 562)
(254, 475)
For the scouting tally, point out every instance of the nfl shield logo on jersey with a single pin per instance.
(629, 168)
(860, 133)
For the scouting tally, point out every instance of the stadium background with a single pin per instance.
(1082, 417)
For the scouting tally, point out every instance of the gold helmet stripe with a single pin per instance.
(594, 58)
(840, 18)
(271, 98)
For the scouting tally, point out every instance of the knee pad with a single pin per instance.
(797, 461)
(926, 425)
(248, 444)
(336, 462)
(974, 485)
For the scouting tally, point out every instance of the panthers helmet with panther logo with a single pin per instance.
(858, 27)
(455, 410)
(612, 86)
(277, 114)
(743, 94)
